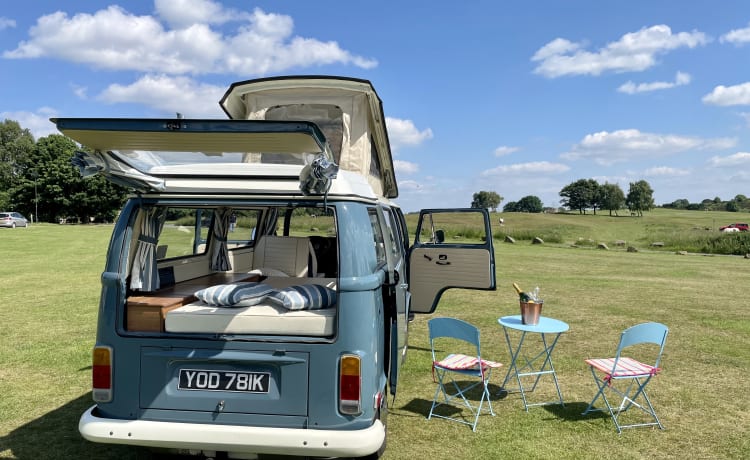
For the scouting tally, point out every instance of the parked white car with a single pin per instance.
(12, 220)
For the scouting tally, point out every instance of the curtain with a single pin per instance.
(220, 255)
(144, 275)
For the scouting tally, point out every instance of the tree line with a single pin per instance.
(580, 195)
(37, 179)
(491, 201)
(738, 203)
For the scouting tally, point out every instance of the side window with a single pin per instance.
(395, 240)
(306, 221)
(242, 228)
(377, 236)
(184, 233)
(451, 227)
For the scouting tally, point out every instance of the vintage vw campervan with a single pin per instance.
(259, 281)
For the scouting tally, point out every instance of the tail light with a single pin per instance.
(350, 385)
(102, 374)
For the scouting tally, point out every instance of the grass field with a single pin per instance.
(49, 285)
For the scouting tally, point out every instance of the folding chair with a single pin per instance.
(458, 365)
(633, 374)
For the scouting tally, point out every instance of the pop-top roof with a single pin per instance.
(348, 111)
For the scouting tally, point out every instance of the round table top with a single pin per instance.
(545, 326)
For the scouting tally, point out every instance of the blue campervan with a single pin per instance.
(259, 280)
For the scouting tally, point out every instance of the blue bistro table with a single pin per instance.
(521, 365)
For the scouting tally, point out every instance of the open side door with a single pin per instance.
(452, 249)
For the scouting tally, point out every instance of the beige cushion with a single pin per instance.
(289, 254)
(258, 319)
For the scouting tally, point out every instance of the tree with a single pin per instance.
(529, 204)
(640, 197)
(16, 144)
(612, 196)
(486, 200)
(580, 195)
(682, 203)
(52, 188)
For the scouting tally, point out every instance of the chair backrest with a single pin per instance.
(655, 333)
(292, 255)
(455, 329)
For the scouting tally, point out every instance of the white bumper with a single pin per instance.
(232, 438)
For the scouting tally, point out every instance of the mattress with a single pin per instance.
(258, 319)
(264, 319)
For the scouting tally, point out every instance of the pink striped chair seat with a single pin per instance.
(626, 367)
(459, 362)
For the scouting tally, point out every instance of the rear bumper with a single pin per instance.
(232, 438)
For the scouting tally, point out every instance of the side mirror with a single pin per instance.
(439, 236)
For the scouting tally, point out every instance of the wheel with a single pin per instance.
(13, 225)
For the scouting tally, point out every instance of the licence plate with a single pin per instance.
(249, 382)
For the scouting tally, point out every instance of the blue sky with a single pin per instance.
(517, 97)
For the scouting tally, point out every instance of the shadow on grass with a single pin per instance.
(572, 412)
(421, 407)
(55, 435)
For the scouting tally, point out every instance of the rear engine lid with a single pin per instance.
(224, 381)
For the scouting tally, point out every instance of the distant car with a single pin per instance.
(12, 220)
(737, 225)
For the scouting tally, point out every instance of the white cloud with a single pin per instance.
(169, 95)
(410, 185)
(36, 122)
(729, 95)
(404, 132)
(182, 13)
(115, 39)
(80, 91)
(405, 167)
(607, 148)
(6, 23)
(531, 168)
(731, 161)
(505, 150)
(633, 52)
(665, 171)
(554, 48)
(737, 36)
(681, 78)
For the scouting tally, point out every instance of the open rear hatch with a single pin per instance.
(179, 155)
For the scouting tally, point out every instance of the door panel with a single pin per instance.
(435, 265)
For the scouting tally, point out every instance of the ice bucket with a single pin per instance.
(530, 312)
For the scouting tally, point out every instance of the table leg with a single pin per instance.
(546, 368)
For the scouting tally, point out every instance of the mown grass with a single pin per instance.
(674, 230)
(49, 303)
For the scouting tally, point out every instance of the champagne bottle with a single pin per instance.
(521, 295)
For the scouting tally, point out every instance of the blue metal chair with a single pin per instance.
(633, 374)
(447, 371)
